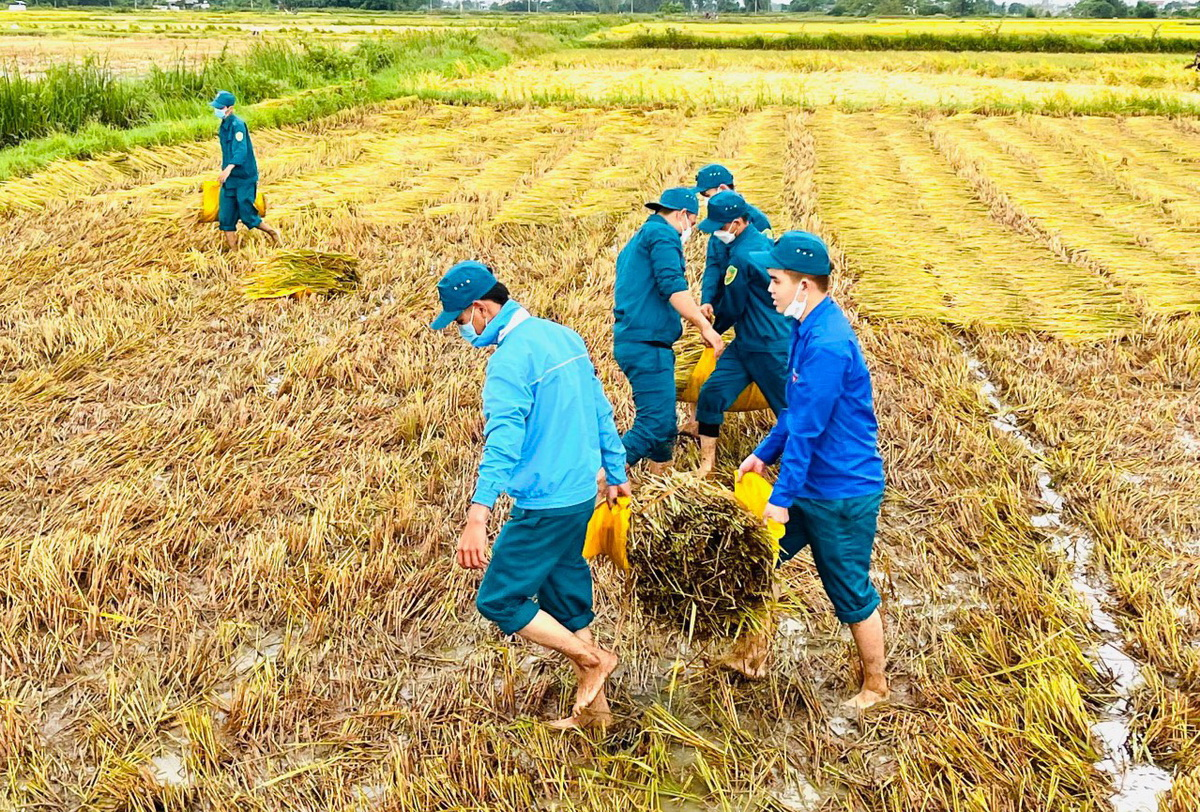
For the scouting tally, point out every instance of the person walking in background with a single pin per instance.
(239, 174)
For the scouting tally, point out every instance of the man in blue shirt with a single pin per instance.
(830, 482)
(239, 174)
(758, 354)
(549, 429)
(651, 293)
(712, 180)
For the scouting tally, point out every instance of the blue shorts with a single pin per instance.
(841, 533)
(237, 203)
(537, 563)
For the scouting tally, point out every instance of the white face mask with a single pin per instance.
(220, 113)
(686, 235)
(796, 309)
(725, 236)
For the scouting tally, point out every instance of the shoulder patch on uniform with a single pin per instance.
(239, 135)
(730, 274)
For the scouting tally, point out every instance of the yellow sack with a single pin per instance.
(608, 531)
(210, 201)
(751, 400)
(753, 492)
(620, 534)
(599, 531)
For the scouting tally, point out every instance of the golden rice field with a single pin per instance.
(960, 82)
(733, 25)
(226, 526)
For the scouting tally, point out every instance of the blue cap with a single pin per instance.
(723, 209)
(679, 198)
(796, 251)
(224, 99)
(463, 284)
(712, 176)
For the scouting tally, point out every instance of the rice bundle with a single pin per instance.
(695, 552)
(290, 273)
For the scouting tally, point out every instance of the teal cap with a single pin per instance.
(796, 251)
(463, 284)
(679, 198)
(712, 176)
(723, 209)
(224, 99)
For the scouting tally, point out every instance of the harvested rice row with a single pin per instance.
(1174, 135)
(1106, 150)
(757, 166)
(1119, 422)
(646, 165)
(449, 171)
(553, 135)
(1129, 241)
(916, 218)
(564, 186)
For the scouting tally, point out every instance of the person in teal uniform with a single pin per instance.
(758, 353)
(650, 295)
(712, 180)
(239, 174)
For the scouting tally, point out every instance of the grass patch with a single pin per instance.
(277, 83)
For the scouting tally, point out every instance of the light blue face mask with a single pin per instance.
(220, 114)
(467, 331)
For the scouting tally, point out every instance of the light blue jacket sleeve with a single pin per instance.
(612, 450)
(507, 402)
(810, 405)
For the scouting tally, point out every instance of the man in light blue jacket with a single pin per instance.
(549, 429)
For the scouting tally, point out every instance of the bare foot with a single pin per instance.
(866, 698)
(658, 468)
(271, 232)
(690, 428)
(704, 471)
(588, 719)
(749, 657)
(591, 680)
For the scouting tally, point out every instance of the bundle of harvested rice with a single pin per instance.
(698, 557)
(290, 273)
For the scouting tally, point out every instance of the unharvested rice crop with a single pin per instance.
(226, 525)
(749, 80)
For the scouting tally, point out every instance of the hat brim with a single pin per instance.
(709, 225)
(657, 207)
(445, 319)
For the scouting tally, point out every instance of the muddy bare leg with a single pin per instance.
(868, 638)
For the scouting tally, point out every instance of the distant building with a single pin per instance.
(19, 5)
